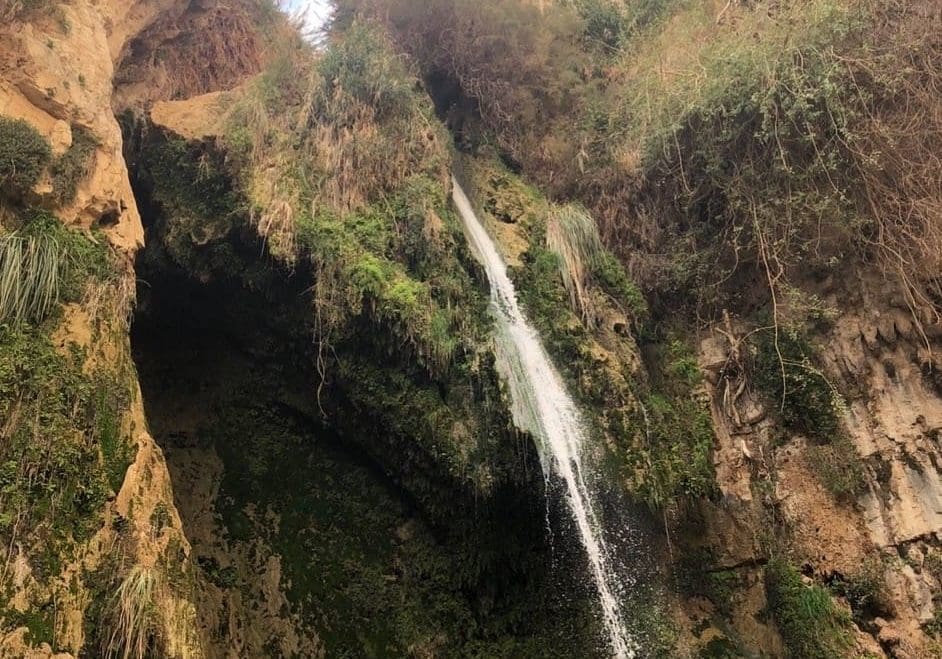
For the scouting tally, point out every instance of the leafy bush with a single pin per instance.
(69, 169)
(811, 624)
(784, 371)
(24, 156)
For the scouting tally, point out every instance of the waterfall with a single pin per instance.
(542, 406)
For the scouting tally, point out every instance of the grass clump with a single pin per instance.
(145, 619)
(585, 265)
(43, 263)
(24, 156)
(31, 268)
(811, 624)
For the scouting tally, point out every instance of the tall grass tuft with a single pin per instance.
(134, 615)
(31, 270)
(148, 620)
(571, 233)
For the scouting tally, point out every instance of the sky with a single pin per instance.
(314, 12)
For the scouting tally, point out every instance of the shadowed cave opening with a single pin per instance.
(305, 536)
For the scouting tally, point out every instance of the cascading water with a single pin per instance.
(542, 406)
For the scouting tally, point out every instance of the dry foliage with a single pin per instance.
(147, 619)
(200, 50)
(571, 233)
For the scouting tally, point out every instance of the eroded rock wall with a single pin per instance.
(57, 66)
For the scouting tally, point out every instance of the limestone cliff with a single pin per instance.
(57, 74)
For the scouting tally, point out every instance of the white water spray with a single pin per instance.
(542, 407)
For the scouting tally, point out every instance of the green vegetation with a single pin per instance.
(678, 456)
(572, 287)
(811, 624)
(30, 276)
(63, 447)
(24, 156)
(53, 481)
(697, 577)
(840, 467)
(336, 167)
(43, 263)
(39, 622)
(69, 169)
(865, 590)
(785, 372)
(367, 573)
(724, 147)
(143, 617)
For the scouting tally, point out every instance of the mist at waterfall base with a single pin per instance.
(542, 406)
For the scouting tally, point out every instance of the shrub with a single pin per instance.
(839, 467)
(865, 590)
(24, 156)
(69, 169)
(811, 624)
(784, 371)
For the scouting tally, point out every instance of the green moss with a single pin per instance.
(811, 624)
(676, 460)
(62, 447)
(24, 156)
(612, 277)
(720, 648)
(363, 569)
(39, 622)
(117, 451)
(697, 577)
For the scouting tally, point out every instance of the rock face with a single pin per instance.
(57, 68)
(882, 364)
(68, 70)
